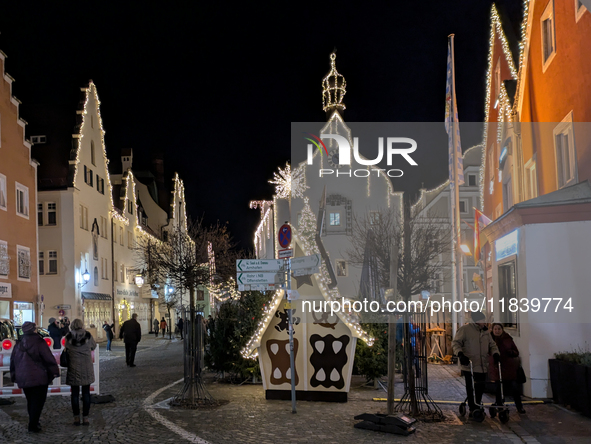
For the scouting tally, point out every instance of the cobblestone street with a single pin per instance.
(139, 416)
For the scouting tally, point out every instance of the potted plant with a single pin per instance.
(570, 377)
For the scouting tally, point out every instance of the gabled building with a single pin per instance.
(19, 284)
(535, 169)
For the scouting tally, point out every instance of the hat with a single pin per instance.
(28, 327)
(51, 320)
(477, 316)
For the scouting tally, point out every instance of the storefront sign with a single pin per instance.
(127, 292)
(507, 245)
(5, 290)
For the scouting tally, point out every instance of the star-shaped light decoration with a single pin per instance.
(288, 184)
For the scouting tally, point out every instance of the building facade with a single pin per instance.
(19, 284)
(535, 176)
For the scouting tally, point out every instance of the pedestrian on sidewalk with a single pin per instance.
(131, 333)
(163, 326)
(109, 329)
(180, 325)
(80, 345)
(33, 368)
(474, 343)
(156, 326)
(509, 366)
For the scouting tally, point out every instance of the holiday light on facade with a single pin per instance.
(333, 87)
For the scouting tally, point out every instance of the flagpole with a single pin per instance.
(459, 276)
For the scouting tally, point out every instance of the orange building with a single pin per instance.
(535, 178)
(19, 284)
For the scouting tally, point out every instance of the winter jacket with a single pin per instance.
(131, 331)
(80, 344)
(162, 325)
(56, 334)
(156, 324)
(476, 344)
(32, 364)
(109, 330)
(509, 359)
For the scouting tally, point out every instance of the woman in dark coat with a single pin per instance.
(509, 365)
(33, 368)
(80, 344)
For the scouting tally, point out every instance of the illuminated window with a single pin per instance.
(335, 219)
(508, 291)
(24, 262)
(4, 259)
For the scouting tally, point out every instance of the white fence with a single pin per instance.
(56, 387)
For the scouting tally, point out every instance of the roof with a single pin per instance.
(574, 194)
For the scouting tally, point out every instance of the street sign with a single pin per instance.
(284, 236)
(292, 295)
(284, 254)
(259, 287)
(312, 261)
(258, 278)
(63, 307)
(306, 271)
(243, 265)
(287, 305)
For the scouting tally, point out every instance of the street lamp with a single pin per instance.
(139, 280)
(85, 278)
(465, 249)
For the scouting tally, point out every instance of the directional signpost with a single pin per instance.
(244, 265)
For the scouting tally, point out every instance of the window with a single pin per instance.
(51, 213)
(24, 262)
(498, 211)
(52, 262)
(335, 219)
(4, 259)
(165, 236)
(38, 139)
(121, 235)
(531, 180)
(507, 291)
(200, 295)
(104, 268)
(129, 206)
(91, 121)
(83, 217)
(374, 217)
(463, 206)
(579, 10)
(88, 176)
(115, 271)
(41, 263)
(100, 184)
(40, 214)
(548, 35)
(566, 159)
(435, 283)
(129, 240)
(472, 180)
(122, 273)
(96, 281)
(507, 194)
(3, 191)
(104, 227)
(92, 159)
(22, 200)
(341, 267)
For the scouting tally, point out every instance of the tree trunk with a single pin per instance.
(392, 330)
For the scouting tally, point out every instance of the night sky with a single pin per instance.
(214, 86)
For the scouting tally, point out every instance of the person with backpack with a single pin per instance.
(79, 347)
(33, 368)
(109, 330)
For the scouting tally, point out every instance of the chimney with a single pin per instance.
(126, 159)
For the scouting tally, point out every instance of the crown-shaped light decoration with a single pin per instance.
(333, 87)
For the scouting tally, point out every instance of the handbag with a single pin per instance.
(521, 379)
(65, 358)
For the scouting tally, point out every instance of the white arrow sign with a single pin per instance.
(305, 271)
(258, 278)
(312, 261)
(259, 265)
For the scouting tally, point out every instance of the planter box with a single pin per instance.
(571, 385)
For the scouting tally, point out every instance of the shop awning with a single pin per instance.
(96, 296)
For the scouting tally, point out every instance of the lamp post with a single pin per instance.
(85, 278)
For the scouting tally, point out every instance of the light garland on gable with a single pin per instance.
(179, 192)
(333, 87)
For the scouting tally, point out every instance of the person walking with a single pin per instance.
(156, 326)
(473, 343)
(56, 332)
(33, 368)
(180, 326)
(163, 326)
(131, 333)
(79, 346)
(109, 330)
(509, 366)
